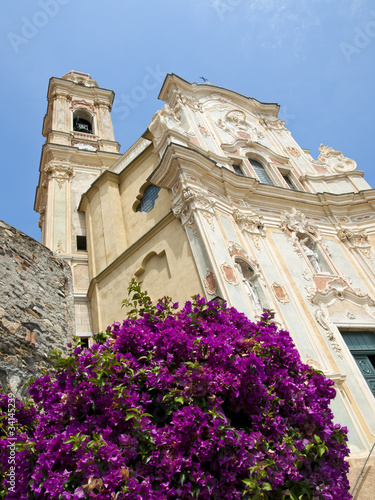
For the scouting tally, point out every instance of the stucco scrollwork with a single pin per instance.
(293, 151)
(101, 103)
(190, 200)
(335, 288)
(356, 239)
(295, 222)
(250, 222)
(228, 273)
(42, 216)
(191, 225)
(312, 363)
(307, 275)
(235, 249)
(60, 173)
(280, 293)
(210, 219)
(59, 249)
(210, 282)
(62, 96)
(180, 100)
(337, 295)
(335, 160)
(203, 131)
(303, 236)
(322, 317)
(163, 120)
(236, 124)
(82, 103)
(311, 291)
(275, 124)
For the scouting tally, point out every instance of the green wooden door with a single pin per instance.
(362, 347)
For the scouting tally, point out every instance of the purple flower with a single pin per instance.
(199, 402)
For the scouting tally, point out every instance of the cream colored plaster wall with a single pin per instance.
(104, 123)
(80, 183)
(95, 233)
(59, 236)
(163, 262)
(113, 223)
(111, 219)
(132, 184)
(95, 311)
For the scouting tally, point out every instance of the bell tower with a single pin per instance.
(79, 146)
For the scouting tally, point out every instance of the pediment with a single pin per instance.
(250, 147)
(210, 94)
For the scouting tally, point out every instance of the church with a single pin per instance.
(218, 199)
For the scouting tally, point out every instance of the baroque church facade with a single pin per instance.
(216, 198)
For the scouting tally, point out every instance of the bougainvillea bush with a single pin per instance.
(178, 404)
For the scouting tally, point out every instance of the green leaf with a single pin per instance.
(266, 486)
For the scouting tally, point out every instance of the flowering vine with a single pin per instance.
(178, 404)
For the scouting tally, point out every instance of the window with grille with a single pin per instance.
(362, 347)
(261, 172)
(288, 181)
(237, 169)
(148, 199)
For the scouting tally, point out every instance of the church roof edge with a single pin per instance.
(172, 78)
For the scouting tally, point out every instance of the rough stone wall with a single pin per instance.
(36, 307)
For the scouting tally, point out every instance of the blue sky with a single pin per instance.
(313, 57)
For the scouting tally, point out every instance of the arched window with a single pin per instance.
(250, 282)
(148, 199)
(314, 254)
(261, 172)
(82, 121)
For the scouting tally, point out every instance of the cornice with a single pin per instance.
(175, 154)
(178, 159)
(61, 86)
(135, 151)
(347, 199)
(331, 176)
(73, 155)
(249, 146)
(106, 176)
